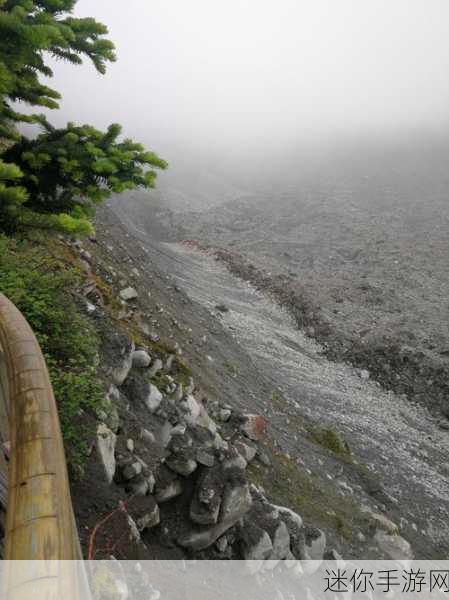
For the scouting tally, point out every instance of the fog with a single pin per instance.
(250, 85)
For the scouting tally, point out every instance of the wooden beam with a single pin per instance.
(40, 524)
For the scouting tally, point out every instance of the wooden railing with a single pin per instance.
(40, 524)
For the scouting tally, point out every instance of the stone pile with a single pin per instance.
(184, 466)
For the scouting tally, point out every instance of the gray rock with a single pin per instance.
(246, 451)
(151, 483)
(171, 490)
(148, 436)
(86, 267)
(210, 486)
(128, 293)
(395, 546)
(222, 544)
(168, 485)
(204, 420)
(111, 416)
(256, 542)
(281, 542)
(253, 426)
(382, 523)
(164, 434)
(179, 393)
(236, 462)
(144, 512)
(220, 444)
(345, 487)
(364, 374)
(225, 414)
(131, 470)
(200, 539)
(90, 308)
(169, 363)
(263, 457)
(191, 409)
(204, 514)
(106, 440)
(111, 408)
(205, 458)
(141, 359)
(190, 386)
(208, 495)
(222, 308)
(124, 363)
(294, 524)
(332, 555)
(138, 486)
(150, 519)
(266, 517)
(155, 367)
(315, 541)
(87, 256)
(180, 442)
(182, 466)
(292, 519)
(113, 393)
(134, 534)
(236, 502)
(203, 439)
(153, 399)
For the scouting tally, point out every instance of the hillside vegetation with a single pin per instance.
(53, 182)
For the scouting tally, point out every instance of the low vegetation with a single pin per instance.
(332, 440)
(315, 501)
(36, 277)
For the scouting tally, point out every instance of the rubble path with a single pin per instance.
(397, 441)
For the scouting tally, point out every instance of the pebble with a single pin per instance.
(141, 359)
(128, 293)
(225, 414)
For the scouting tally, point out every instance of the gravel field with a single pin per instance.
(362, 270)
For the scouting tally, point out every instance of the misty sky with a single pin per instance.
(255, 76)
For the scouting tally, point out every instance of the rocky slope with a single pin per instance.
(169, 461)
(364, 260)
(199, 451)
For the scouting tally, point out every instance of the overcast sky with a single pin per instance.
(249, 76)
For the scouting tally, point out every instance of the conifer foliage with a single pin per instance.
(56, 179)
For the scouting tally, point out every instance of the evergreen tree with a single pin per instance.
(56, 179)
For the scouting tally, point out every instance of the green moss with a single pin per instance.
(332, 440)
(277, 400)
(231, 369)
(181, 371)
(318, 503)
(36, 276)
(110, 299)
